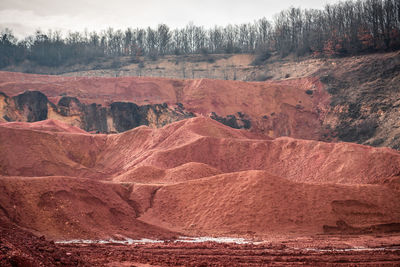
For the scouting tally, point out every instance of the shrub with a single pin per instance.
(261, 58)
(262, 77)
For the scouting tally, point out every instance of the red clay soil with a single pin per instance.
(20, 248)
(205, 141)
(290, 110)
(45, 126)
(184, 172)
(31, 152)
(73, 208)
(195, 177)
(200, 140)
(257, 203)
(212, 254)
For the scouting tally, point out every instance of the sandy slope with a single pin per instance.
(44, 126)
(195, 176)
(255, 202)
(68, 208)
(184, 172)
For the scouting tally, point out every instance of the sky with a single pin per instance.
(26, 16)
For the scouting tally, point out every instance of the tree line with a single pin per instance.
(341, 29)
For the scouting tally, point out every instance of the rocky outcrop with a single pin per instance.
(94, 118)
(126, 115)
(32, 106)
(242, 121)
(68, 106)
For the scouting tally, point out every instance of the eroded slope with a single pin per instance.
(275, 108)
(194, 176)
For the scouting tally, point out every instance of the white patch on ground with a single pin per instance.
(126, 241)
(215, 239)
(184, 239)
(227, 240)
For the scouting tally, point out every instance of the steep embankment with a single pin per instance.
(32, 152)
(34, 106)
(69, 207)
(365, 99)
(357, 100)
(194, 176)
(276, 108)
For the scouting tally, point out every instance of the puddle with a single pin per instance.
(183, 239)
(216, 239)
(126, 241)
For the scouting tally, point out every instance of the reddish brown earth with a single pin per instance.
(212, 254)
(21, 248)
(44, 126)
(290, 110)
(195, 177)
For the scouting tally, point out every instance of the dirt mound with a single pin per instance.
(195, 176)
(297, 160)
(45, 126)
(190, 171)
(184, 172)
(141, 174)
(255, 202)
(51, 153)
(125, 151)
(68, 208)
(200, 140)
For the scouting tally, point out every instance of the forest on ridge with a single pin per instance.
(345, 28)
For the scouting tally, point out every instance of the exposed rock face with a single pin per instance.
(68, 106)
(240, 122)
(126, 116)
(94, 118)
(34, 106)
(365, 101)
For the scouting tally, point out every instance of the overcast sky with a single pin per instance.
(25, 16)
